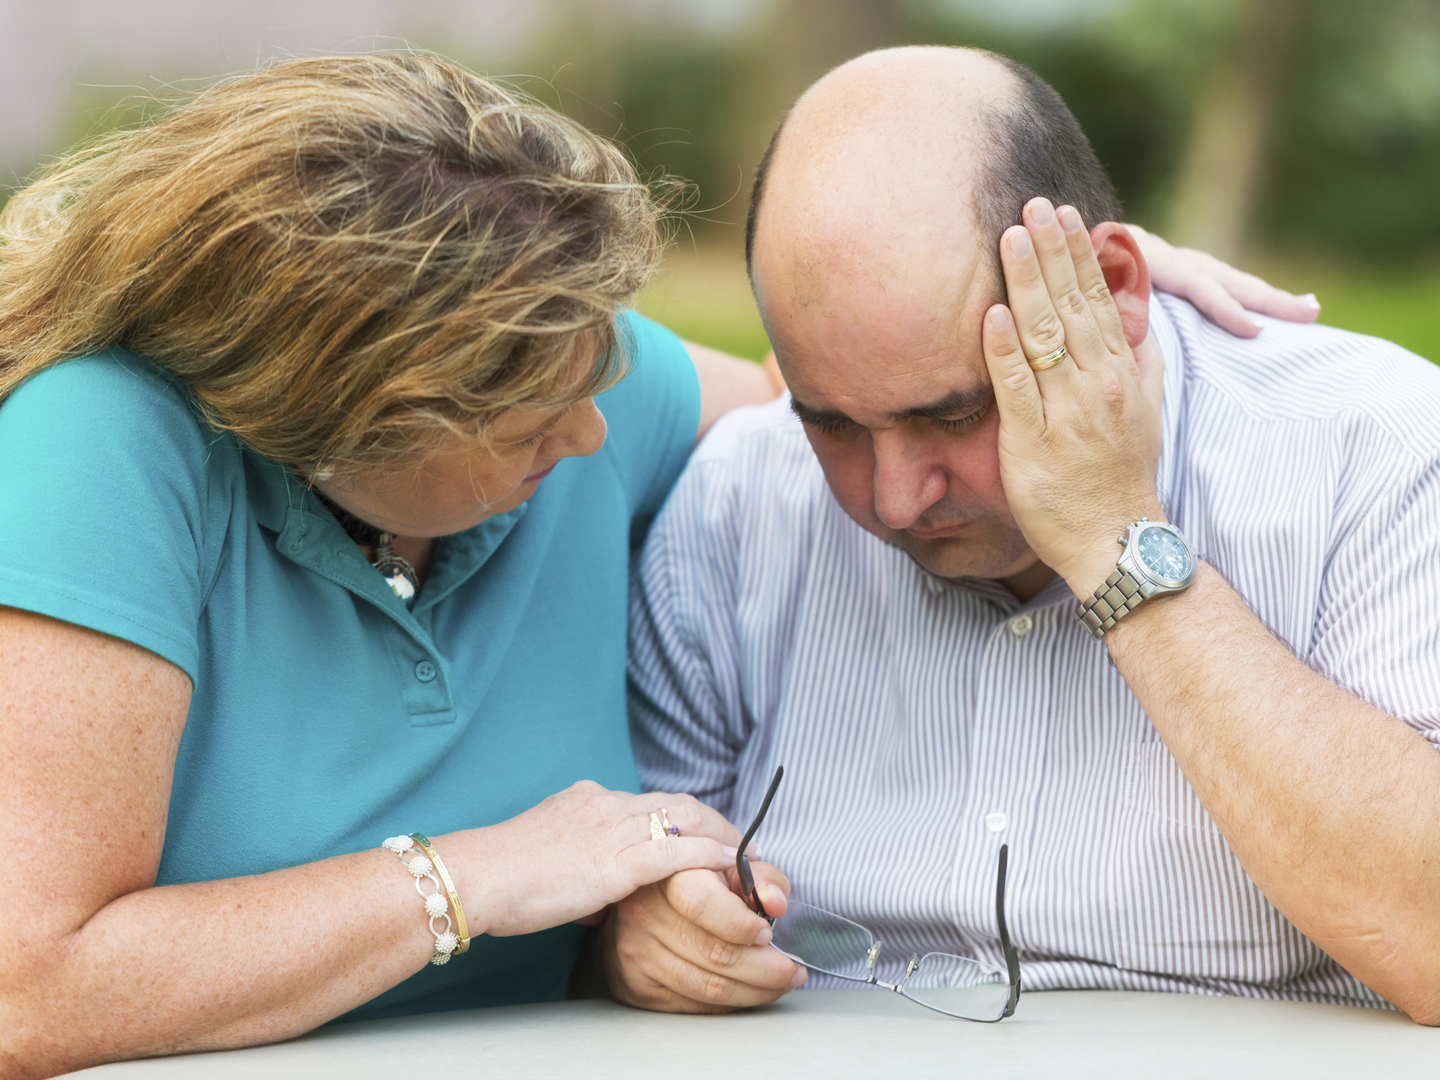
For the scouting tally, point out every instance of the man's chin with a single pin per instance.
(975, 551)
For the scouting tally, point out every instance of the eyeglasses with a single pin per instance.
(833, 945)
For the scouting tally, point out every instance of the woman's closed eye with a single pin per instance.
(534, 440)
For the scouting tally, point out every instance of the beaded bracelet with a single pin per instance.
(461, 929)
(438, 902)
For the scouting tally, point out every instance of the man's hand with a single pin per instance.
(690, 944)
(1079, 441)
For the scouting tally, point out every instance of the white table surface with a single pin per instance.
(846, 1033)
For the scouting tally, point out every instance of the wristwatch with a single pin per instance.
(1157, 560)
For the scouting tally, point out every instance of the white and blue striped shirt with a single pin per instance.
(923, 722)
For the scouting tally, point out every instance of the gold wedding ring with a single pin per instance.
(657, 831)
(1049, 360)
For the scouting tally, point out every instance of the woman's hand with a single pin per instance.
(1220, 292)
(97, 964)
(577, 852)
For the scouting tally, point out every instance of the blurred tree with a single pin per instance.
(1311, 123)
(584, 77)
(697, 105)
(1225, 162)
(806, 39)
(1356, 163)
(1299, 123)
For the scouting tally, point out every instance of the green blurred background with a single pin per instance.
(1299, 139)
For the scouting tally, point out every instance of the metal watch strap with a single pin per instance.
(1110, 603)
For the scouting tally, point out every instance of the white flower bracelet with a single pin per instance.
(423, 864)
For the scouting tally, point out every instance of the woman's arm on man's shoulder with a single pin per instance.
(727, 382)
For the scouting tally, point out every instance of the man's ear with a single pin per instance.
(1127, 277)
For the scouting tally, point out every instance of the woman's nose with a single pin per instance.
(582, 430)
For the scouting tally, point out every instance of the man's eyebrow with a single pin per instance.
(817, 417)
(956, 403)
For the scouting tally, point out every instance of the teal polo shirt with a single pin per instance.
(325, 715)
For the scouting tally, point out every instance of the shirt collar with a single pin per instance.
(1172, 350)
(272, 490)
(309, 534)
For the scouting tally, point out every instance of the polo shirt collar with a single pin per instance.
(269, 490)
(460, 556)
(308, 534)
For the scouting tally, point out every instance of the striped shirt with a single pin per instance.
(922, 722)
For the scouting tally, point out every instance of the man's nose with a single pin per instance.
(908, 481)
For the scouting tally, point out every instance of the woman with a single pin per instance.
(314, 537)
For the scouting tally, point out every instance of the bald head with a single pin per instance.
(923, 143)
(877, 164)
(873, 246)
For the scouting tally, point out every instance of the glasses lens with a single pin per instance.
(824, 941)
(958, 987)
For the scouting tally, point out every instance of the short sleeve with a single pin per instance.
(103, 484)
(688, 722)
(1377, 633)
(652, 417)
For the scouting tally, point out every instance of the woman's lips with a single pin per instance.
(539, 475)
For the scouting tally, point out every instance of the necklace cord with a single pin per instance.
(390, 565)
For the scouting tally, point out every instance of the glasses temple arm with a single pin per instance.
(742, 864)
(1012, 958)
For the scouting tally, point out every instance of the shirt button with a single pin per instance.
(1020, 626)
(996, 821)
(425, 671)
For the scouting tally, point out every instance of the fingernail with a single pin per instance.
(1041, 213)
(732, 852)
(1020, 243)
(798, 979)
(1070, 219)
(1309, 301)
(765, 936)
(999, 317)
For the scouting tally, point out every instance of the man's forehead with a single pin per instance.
(870, 351)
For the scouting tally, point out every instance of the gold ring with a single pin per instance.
(656, 831)
(1049, 360)
(670, 830)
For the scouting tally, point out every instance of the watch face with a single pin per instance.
(1163, 554)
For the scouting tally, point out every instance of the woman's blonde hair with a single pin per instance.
(342, 257)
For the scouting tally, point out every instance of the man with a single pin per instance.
(1235, 789)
